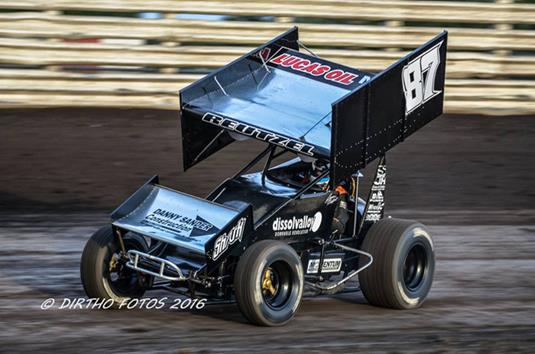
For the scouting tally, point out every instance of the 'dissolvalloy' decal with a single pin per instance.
(296, 225)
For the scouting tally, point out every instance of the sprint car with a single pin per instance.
(267, 233)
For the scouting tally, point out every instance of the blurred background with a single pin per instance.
(88, 89)
(89, 111)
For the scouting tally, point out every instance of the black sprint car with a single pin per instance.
(261, 237)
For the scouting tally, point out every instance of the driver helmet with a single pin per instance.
(319, 167)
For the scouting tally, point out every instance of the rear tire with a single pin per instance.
(401, 274)
(102, 277)
(268, 283)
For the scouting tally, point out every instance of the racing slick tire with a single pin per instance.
(268, 283)
(401, 274)
(105, 278)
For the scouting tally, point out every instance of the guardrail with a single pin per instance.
(108, 53)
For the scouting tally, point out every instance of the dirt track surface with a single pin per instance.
(469, 178)
(482, 301)
(69, 159)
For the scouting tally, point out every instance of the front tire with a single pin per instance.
(401, 274)
(103, 274)
(268, 283)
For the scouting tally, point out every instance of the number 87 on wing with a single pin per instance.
(419, 78)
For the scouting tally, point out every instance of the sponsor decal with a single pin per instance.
(330, 265)
(295, 226)
(316, 69)
(418, 78)
(376, 201)
(331, 199)
(229, 238)
(176, 223)
(259, 134)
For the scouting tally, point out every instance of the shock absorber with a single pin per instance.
(341, 213)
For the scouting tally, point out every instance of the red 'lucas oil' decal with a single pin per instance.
(314, 68)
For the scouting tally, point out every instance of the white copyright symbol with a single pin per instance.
(48, 303)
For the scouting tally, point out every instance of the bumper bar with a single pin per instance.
(137, 258)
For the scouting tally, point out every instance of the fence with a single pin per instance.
(136, 53)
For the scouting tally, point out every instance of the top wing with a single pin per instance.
(312, 106)
(275, 94)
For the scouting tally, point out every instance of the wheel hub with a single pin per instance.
(269, 283)
(112, 265)
(414, 267)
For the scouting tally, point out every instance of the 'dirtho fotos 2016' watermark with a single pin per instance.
(178, 304)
